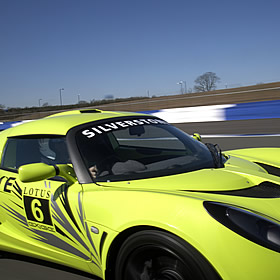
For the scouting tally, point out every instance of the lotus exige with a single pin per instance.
(127, 196)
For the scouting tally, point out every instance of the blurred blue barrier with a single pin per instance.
(225, 112)
(5, 125)
(254, 110)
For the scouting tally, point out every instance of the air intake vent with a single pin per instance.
(263, 190)
(90, 111)
(270, 169)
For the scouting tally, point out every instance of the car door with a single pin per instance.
(43, 218)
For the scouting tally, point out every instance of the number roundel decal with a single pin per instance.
(37, 210)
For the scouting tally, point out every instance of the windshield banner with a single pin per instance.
(107, 127)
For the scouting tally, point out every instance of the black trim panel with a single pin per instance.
(263, 190)
(270, 169)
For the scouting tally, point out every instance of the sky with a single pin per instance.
(127, 48)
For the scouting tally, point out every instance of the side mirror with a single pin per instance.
(41, 171)
(197, 137)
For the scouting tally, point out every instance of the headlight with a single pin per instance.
(258, 229)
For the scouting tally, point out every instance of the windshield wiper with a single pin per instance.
(216, 153)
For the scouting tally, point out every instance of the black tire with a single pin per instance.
(157, 255)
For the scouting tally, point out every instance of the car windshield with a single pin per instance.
(138, 148)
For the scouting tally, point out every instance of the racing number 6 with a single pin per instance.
(36, 210)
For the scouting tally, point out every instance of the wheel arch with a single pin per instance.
(121, 238)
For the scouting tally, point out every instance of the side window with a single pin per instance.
(54, 151)
(21, 151)
(9, 158)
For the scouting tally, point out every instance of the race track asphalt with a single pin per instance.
(11, 269)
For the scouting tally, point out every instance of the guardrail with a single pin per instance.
(6, 125)
(211, 113)
(225, 112)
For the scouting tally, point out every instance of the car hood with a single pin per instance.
(237, 174)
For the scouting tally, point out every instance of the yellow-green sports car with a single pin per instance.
(127, 196)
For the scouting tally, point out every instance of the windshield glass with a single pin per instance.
(139, 148)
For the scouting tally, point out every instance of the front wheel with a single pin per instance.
(157, 255)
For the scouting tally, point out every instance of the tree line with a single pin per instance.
(203, 83)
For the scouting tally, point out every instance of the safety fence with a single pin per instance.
(211, 113)
(225, 112)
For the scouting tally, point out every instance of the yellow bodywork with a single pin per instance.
(76, 224)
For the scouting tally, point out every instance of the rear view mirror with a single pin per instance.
(36, 172)
(136, 130)
(41, 171)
